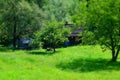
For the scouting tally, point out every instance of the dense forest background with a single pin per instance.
(24, 18)
(44, 20)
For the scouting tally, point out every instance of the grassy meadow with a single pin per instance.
(71, 63)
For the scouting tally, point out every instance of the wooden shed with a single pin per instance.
(76, 35)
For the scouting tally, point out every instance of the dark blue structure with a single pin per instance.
(24, 43)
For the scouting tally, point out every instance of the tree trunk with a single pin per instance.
(114, 59)
(14, 35)
(115, 55)
(54, 50)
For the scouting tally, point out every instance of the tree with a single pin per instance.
(58, 9)
(21, 19)
(53, 33)
(103, 21)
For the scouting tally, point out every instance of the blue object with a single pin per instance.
(24, 43)
(66, 43)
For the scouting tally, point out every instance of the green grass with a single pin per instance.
(72, 63)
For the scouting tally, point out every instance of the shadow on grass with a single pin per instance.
(40, 53)
(88, 65)
(4, 49)
(43, 52)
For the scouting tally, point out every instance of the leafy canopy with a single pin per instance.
(55, 32)
(103, 21)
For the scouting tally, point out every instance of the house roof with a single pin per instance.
(75, 32)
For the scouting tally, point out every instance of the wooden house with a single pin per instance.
(76, 35)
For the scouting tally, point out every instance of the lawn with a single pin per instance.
(72, 63)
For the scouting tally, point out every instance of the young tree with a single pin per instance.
(103, 21)
(53, 33)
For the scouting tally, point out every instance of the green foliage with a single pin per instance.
(40, 3)
(100, 20)
(103, 21)
(78, 13)
(58, 9)
(53, 34)
(26, 17)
